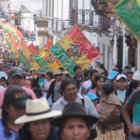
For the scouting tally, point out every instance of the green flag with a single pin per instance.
(24, 61)
(41, 62)
(129, 12)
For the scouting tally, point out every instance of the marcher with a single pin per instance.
(132, 66)
(134, 84)
(78, 75)
(121, 87)
(112, 79)
(74, 124)
(70, 94)
(97, 85)
(37, 121)
(29, 83)
(54, 91)
(129, 77)
(86, 75)
(16, 77)
(38, 81)
(87, 84)
(134, 126)
(46, 85)
(3, 79)
(109, 126)
(13, 107)
(47, 82)
(93, 98)
(5, 68)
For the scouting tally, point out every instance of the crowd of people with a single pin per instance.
(40, 105)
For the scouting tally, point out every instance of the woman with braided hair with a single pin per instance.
(13, 107)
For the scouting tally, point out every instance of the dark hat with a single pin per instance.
(16, 71)
(74, 109)
(16, 96)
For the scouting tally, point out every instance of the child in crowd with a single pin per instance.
(94, 99)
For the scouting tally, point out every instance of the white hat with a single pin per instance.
(136, 76)
(58, 72)
(37, 109)
(121, 76)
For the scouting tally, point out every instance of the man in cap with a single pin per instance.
(3, 79)
(16, 77)
(121, 86)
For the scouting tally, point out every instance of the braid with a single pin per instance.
(4, 122)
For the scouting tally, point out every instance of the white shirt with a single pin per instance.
(87, 84)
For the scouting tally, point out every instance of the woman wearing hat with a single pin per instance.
(12, 108)
(54, 91)
(74, 124)
(37, 121)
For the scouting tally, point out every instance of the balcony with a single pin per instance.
(89, 19)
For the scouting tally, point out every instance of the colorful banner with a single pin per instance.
(74, 49)
(24, 62)
(33, 50)
(29, 57)
(104, 7)
(47, 61)
(129, 12)
(49, 43)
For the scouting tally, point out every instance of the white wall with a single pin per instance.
(55, 8)
(66, 10)
(27, 22)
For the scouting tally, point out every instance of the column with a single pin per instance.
(115, 50)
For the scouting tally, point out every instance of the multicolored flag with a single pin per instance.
(74, 49)
(24, 61)
(46, 60)
(129, 12)
(33, 50)
(29, 57)
(49, 43)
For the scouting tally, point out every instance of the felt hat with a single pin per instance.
(37, 109)
(74, 109)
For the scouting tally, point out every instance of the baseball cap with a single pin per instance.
(136, 76)
(121, 76)
(112, 75)
(16, 71)
(16, 96)
(3, 74)
(92, 96)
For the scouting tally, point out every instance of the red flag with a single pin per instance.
(34, 51)
(49, 43)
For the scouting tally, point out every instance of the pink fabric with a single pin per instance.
(97, 106)
(26, 89)
(92, 91)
